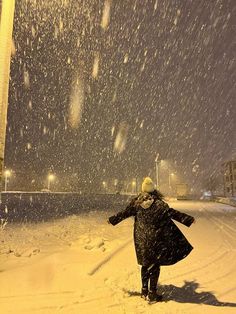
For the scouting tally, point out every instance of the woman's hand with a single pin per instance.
(192, 221)
(112, 220)
(189, 220)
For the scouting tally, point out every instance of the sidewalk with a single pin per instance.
(227, 200)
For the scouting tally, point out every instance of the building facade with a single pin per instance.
(229, 171)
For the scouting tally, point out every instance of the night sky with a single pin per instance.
(156, 77)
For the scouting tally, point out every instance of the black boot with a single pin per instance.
(154, 272)
(154, 297)
(145, 279)
(144, 293)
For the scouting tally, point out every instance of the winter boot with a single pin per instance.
(154, 297)
(144, 293)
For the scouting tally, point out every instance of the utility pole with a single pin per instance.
(7, 176)
(157, 172)
(6, 28)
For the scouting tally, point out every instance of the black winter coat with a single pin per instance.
(156, 238)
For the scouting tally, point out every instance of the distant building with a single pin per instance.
(229, 171)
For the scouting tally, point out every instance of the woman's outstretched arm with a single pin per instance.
(128, 212)
(183, 218)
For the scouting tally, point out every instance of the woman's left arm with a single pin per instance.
(183, 218)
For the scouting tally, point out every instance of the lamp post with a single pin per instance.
(6, 26)
(7, 175)
(51, 177)
(170, 175)
(104, 184)
(134, 186)
(115, 185)
(157, 162)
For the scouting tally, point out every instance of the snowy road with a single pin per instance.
(80, 264)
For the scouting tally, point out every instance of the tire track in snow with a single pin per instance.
(215, 259)
(206, 214)
(233, 230)
(218, 227)
(227, 292)
(228, 230)
(229, 273)
(225, 236)
(200, 267)
(108, 258)
(218, 223)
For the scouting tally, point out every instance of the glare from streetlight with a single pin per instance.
(51, 177)
(7, 173)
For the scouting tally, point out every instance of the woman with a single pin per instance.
(158, 241)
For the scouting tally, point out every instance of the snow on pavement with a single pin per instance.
(80, 264)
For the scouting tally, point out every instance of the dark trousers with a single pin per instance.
(150, 274)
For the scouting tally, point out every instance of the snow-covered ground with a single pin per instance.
(81, 264)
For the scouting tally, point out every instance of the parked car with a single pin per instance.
(207, 195)
(182, 191)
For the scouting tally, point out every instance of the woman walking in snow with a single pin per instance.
(158, 241)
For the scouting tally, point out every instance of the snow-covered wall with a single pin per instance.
(227, 200)
(44, 206)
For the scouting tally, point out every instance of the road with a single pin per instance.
(80, 264)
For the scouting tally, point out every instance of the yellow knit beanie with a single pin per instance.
(148, 185)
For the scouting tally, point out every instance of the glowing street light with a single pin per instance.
(7, 174)
(157, 162)
(134, 186)
(51, 178)
(171, 175)
(104, 184)
(6, 27)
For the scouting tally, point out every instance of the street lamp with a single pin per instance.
(104, 184)
(6, 27)
(51, 177)
(157, 162)
(134, 185)
(115, 184)
(170, 175)
(7, 174)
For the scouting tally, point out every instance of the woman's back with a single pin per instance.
(151, 210)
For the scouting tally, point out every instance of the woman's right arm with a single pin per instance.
(128, 212)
